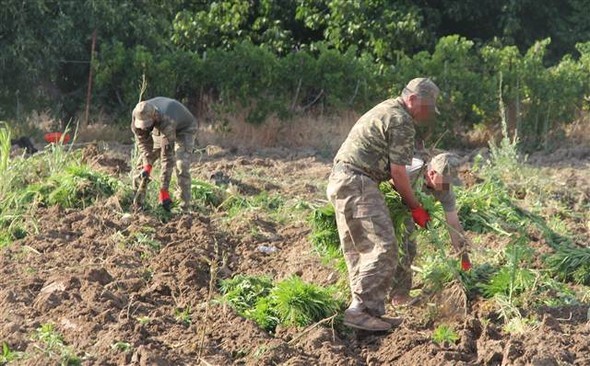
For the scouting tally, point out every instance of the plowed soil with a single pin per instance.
(121, 304)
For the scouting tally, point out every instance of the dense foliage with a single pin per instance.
(282, 58)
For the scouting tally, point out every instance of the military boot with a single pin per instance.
(361, 320)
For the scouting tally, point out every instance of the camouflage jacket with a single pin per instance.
(174, 119)
(381, 137)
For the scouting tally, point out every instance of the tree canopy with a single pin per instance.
(187, 49)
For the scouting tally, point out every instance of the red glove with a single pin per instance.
(420, 216)
(147, 170)
(465, 263)
(165, 200)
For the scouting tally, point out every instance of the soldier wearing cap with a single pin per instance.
(377, 148)
(438, 177)
(165, 129)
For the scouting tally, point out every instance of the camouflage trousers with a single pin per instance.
(402, 278)
(179, 161)
(366, 236)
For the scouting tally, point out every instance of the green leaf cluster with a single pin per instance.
(290, 302)
(444, 334)
(53, 344)
(570, 263)
(487, 207)
(9, 355)
(77, 186)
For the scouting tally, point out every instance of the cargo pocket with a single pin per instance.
(157, 141)
(362, 227)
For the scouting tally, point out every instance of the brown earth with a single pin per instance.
(88, 273)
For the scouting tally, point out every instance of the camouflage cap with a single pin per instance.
(144, 115)
(424, 87)
(446, 164)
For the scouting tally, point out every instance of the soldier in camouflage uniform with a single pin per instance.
(378, 148)
(165, 129)
(438, 177)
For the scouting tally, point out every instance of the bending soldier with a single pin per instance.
(165, 128)
(439, 176)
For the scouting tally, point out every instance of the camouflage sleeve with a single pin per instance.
(145, 143)
(446, 199)
(401, 141)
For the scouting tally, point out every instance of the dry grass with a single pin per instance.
(104, 132)
(579, 130)
(307, 131)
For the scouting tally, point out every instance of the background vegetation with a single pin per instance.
(273, 58)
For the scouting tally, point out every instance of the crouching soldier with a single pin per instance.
(164, 128)
(438, 176)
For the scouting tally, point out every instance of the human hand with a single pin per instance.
(465, 262)
(147, 170)
(142, 178)
(165, 200)
(420, 216)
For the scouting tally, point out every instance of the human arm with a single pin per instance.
(401, 182)
(459, 240)
(145, 144)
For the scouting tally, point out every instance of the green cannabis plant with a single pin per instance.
(570, 263)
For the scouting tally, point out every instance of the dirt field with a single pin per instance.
(117, 304)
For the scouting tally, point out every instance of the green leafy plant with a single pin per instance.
(183, 315)
(444, 334)
(236, 204)
(555, 293)
(264, 314)
(147, 240)
(299, 303)
(290, 302)
(8, 355)
(122, 346)
(206, 193)
(478, 275)
(514, 278)
(570, 263)
(242, 292)
(53, 344)
(520, 325)
(400, 215)
(436, 271)
(487, 207)
(324, 232)
(76, 186)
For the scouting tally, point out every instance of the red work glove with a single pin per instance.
(420, 216)
(165, 200)
(147, 170)
(465, 263)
